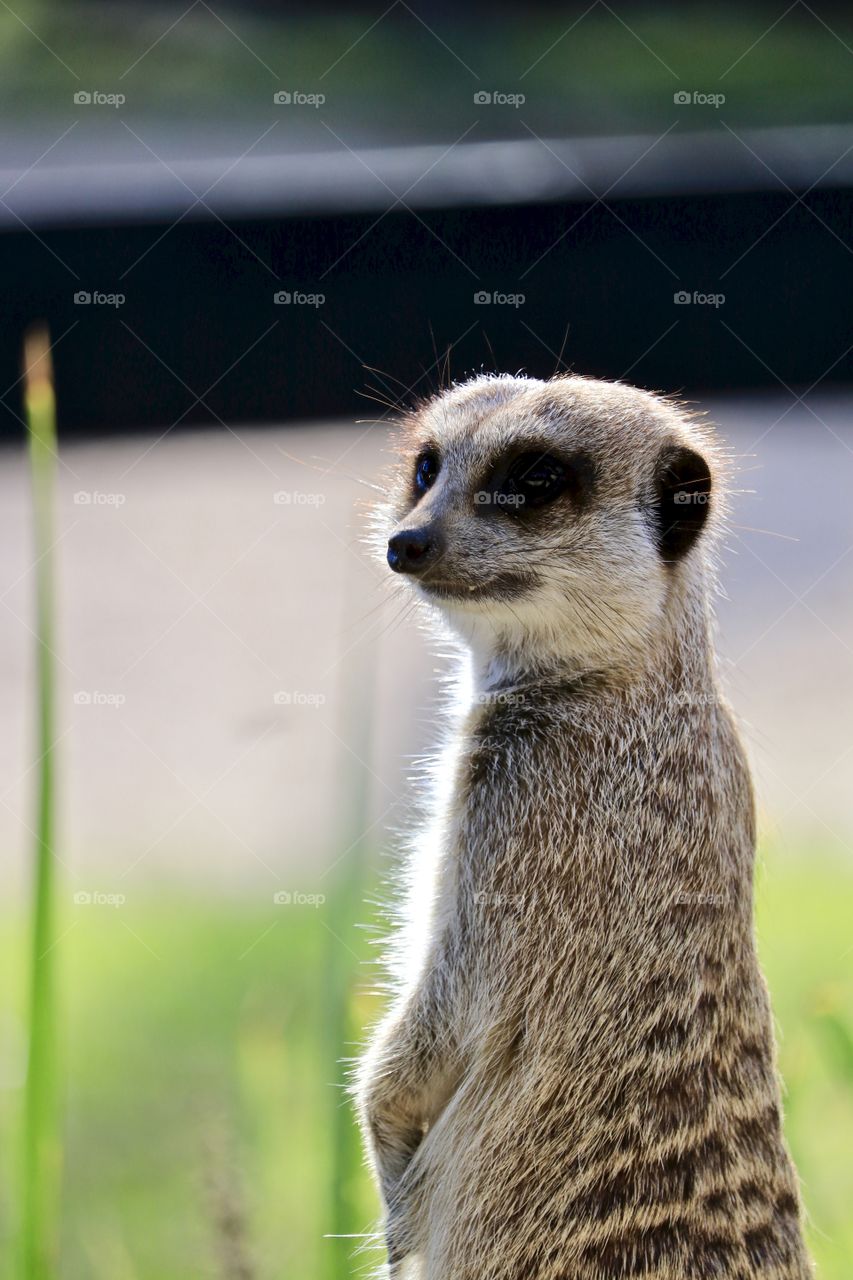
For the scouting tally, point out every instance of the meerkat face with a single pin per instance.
(553, 516)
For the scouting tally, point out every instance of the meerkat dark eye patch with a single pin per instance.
(534, 479)
(683, 498)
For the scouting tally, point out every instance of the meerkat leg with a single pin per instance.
(402, 1096)
(394, 1122)
(392, 1103)
(405, 1081)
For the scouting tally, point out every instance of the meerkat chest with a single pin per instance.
(570, 833)
(537, 794)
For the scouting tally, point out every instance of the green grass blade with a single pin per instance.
(42, 1136)
(342, 976)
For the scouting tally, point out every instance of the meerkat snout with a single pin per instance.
(413, 550)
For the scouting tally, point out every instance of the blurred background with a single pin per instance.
(256, 231)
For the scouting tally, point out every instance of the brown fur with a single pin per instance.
(576, 1078)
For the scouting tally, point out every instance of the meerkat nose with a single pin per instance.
(411, 551)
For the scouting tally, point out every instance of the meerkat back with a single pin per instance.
(576, 1077)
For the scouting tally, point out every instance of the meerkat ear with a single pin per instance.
(683, 496)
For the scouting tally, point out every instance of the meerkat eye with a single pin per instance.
(426, 471)
(535, 479)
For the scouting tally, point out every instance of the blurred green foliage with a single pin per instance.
(402, 76)
(205, 1080)
(199, 1088)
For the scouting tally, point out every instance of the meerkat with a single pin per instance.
(576, 1077)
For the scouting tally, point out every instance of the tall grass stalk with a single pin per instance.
(344, 909)
(42, 1137)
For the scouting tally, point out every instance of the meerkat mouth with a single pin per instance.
(505, 586)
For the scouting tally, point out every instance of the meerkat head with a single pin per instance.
(552, 520)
